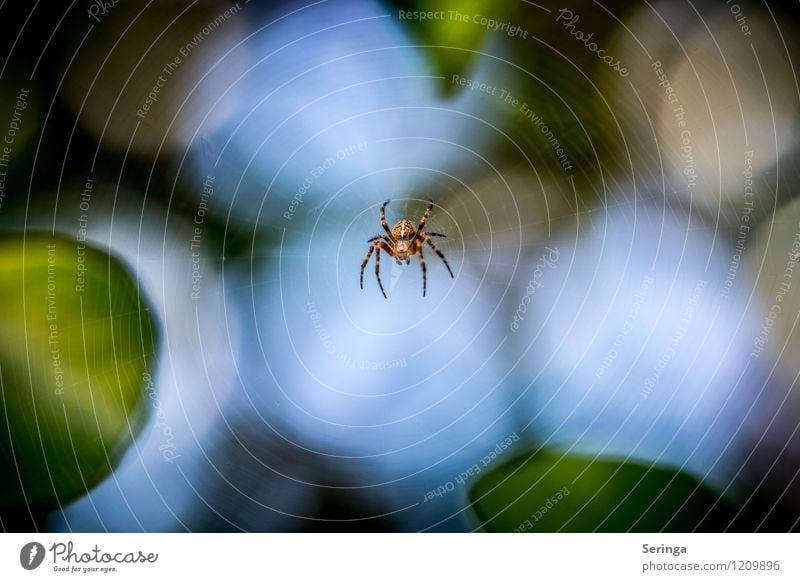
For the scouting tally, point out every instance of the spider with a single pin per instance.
(402, 242)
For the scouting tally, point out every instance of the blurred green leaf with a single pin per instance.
(451, 39)
(76, 345)
(546, 492)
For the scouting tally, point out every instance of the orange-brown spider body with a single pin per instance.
(402, 242)
(405, 245)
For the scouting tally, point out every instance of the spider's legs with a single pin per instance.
(441, 255)
(377, 237)
(424, 271)
(424, 218)
(436, 234)
(383, 221)
(364, 264)
(378, 267)
(376, 246)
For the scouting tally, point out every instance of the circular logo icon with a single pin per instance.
(31, 555)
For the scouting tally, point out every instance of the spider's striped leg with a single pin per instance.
(364, 264)
(378, 237)
(378, 247)
(436, 234)
(424, 271)
(441, 255)
(424, 219)
(383, 221)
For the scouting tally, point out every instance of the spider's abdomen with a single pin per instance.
(403, 229)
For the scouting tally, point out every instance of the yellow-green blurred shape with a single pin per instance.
(545, 491)
(157, 70)
(76, 346)
(455, 32)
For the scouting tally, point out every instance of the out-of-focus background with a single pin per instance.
(186, 193)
